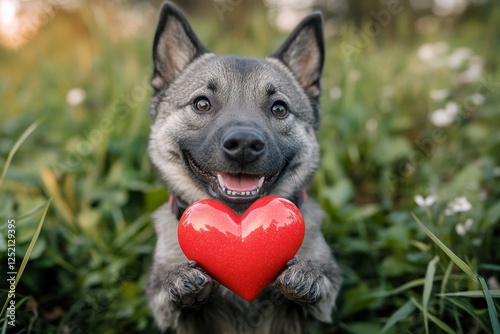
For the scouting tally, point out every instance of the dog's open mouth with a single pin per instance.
(233, 187)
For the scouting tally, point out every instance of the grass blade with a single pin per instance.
(429, 282)
(491, 306)
(472, 294)
(16, 146)
(471, 311)
(28, 252)
(444, 283)
(50, 182)
(458, 261)
(438, 322)
(402, 313)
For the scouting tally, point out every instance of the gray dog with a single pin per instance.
(236, 129)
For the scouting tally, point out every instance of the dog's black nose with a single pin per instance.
(243, 145)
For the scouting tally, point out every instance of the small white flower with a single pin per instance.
(459, 204)
(478, 99)
(451, 108)
(75, 96)
(462, 229)
(425, 202)
(429, 53)
(458, 57)
(474, 72)
(439, 94)
(444, 117)
(335, 93)
(441, 118)
(426, 52)
(493, 283)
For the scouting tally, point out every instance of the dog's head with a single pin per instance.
(234, 128)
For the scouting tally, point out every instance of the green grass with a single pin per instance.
(406, 267)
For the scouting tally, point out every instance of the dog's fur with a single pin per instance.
(240, 138)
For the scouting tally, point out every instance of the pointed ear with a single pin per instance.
(175, 46)
(304, 52)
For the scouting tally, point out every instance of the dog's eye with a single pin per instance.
(202, 104)
(279, 109)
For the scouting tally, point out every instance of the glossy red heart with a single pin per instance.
(244, 253)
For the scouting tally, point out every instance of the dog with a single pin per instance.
(236, 129)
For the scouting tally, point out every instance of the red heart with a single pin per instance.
(244, 253)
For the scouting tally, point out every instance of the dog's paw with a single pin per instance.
(188, 286)
(301, 281)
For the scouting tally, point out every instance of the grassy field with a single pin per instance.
(410, 171)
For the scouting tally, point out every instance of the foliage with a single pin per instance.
(382, 145)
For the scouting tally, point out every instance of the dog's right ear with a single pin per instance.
(175, 46)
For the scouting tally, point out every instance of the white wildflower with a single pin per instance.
(335, 93)
(462, 229)
(444, 117)
(433, 54)
(459, 204)
(458, 57)
(474, 72)
(493, 283)
(439, 94)
(425, 202)
(428, 52)
(448, 7)
(75, 96)
(478, 99)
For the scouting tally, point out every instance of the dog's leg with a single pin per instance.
(182, 287)
(188, 286)
(312, 279)
(308, 284)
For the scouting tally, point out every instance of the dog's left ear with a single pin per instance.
(175, 46)
(304, 53)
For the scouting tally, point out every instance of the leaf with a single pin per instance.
(16, 146)
(50, 182)
(491, 306)
(340, 193)
(429, 281)
(402, 313)
(361, 328)
(459, 262)
(471, 310)
(438, 322)
(492, 216)
(28, 252)
(389, 150)
(471, 294)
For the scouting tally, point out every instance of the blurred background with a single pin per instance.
(410, 149)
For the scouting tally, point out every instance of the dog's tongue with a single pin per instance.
(240, 182)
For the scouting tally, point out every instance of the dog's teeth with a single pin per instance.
(254, 192)
(261, 181)
(247, 193)
(221, 180)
